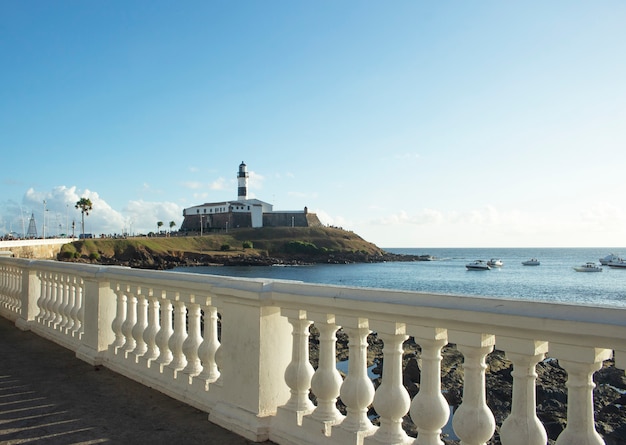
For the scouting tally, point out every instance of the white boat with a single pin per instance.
(609, 258)
(478, 265)
(531, 262)
(620, 264)
(494, 262)
(588, 267)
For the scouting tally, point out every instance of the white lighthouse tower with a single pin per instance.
(242, 182)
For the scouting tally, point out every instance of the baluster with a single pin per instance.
(178, 338)
(141, 325)
(63, 308)
(429, 408)
(580, 363)
(192, 342)
(326, 381)
(120, 317)
(41, 301)
(71, 305)
(5, 285)
(391, 400)
(50, 298)
(357, 390)
(473, 421)
(58, 299)
(76, 323)
(299, 371)
(166, 331)
(129, 322)
(522, 427)
(149, 335)
(80, 297)
(209, 346)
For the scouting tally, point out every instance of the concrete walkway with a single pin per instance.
(48, 396)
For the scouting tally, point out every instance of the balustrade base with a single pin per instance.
(314, 426)
(21, 324)
(90, 355)
(287, 428)
(344, 436)
(245, 423)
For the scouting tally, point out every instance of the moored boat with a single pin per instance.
(588, 267)
(610, 258)
(495, 262)
(620, 264)
(478, 265)
(531, 262)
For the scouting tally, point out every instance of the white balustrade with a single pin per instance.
(248, 365)
(10, 290)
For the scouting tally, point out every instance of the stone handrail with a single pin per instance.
(239, 350)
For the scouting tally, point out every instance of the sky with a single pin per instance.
(411, 123)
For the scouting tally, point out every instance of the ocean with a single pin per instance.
(554, 280)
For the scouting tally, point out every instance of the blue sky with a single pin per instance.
(412, 123)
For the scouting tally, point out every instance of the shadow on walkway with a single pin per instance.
(48, 396)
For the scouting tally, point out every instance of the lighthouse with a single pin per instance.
(242, 182)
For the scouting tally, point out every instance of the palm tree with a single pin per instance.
(85, 206)
(159, 225)
(172, 224)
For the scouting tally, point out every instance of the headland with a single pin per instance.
(264, 246)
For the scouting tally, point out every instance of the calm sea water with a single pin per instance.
(554, 280)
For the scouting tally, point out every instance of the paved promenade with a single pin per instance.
(48, 396)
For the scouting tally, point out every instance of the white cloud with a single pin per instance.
(144, 215)
(193, 185)
(218, 184)
(301, 195)
(255, 180)
(329, 220)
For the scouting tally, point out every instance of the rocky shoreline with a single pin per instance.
(142, 258)
(609, 393)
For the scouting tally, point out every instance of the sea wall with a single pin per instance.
(43, 249)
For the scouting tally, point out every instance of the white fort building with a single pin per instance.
(243, 212)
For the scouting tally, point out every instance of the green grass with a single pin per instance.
(267, 240)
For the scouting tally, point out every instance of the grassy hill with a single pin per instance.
(262, 245)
